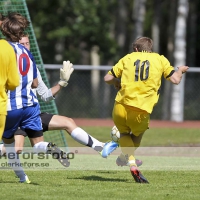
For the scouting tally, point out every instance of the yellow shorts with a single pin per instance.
(2, 124)
(130, 119)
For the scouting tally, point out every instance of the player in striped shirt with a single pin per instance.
(137, 76)
(23, 107)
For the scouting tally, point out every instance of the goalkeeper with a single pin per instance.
(57, 122)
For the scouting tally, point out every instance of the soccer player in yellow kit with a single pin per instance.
(137, 76)
(9, 78)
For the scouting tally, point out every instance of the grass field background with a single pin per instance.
(173, 175)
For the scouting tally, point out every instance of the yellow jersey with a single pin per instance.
(141, 74)
(9, 77)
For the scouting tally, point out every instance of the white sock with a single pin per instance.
(1, 147)
(82, 137)
(40, 147)
(14, 161)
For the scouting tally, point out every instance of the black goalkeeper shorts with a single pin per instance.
(46, 118)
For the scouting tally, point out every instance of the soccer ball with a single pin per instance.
(115, 134)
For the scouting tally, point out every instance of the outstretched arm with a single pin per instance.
(42, 90)
(177, 75)
(48, 94)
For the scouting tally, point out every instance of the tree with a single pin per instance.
(156, 25)
(139, 12)
(179, 59)
(170, 49)
(69, 29)
(121, 25)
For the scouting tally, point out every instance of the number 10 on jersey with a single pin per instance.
(141, 70)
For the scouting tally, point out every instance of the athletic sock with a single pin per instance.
(131, 161)
(1, 147)
(14, 161)
(128, 148)
(40, 147)
(82, 137)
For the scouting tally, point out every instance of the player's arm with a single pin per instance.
(42, 90)
(111, 80)
(112, 77)
(49, 94)
(55, 89)
(35, 76)
(34, 83)
(175, 78)
(170, 73)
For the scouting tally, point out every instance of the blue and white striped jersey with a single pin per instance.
(23, 95)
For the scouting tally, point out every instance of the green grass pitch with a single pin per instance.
(173, 172)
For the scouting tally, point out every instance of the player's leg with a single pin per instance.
(40, 146)
(19, 136)
(122, 116)
(120, 120)
(19, 144)
(140, 125)
(138, 121)
(2, 150)
(31, 124)
(2, 124)
(64, 123)
(122, 159)
(37, 142)
(57, 122)
(136, 139)
(19, 140)
(33, 128)
(12, 122)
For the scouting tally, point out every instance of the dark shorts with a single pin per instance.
(45, 117)
(27, 118)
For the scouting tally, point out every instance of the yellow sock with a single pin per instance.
(131, 161)
(136, 145)
(126, 144)
(128, 148)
